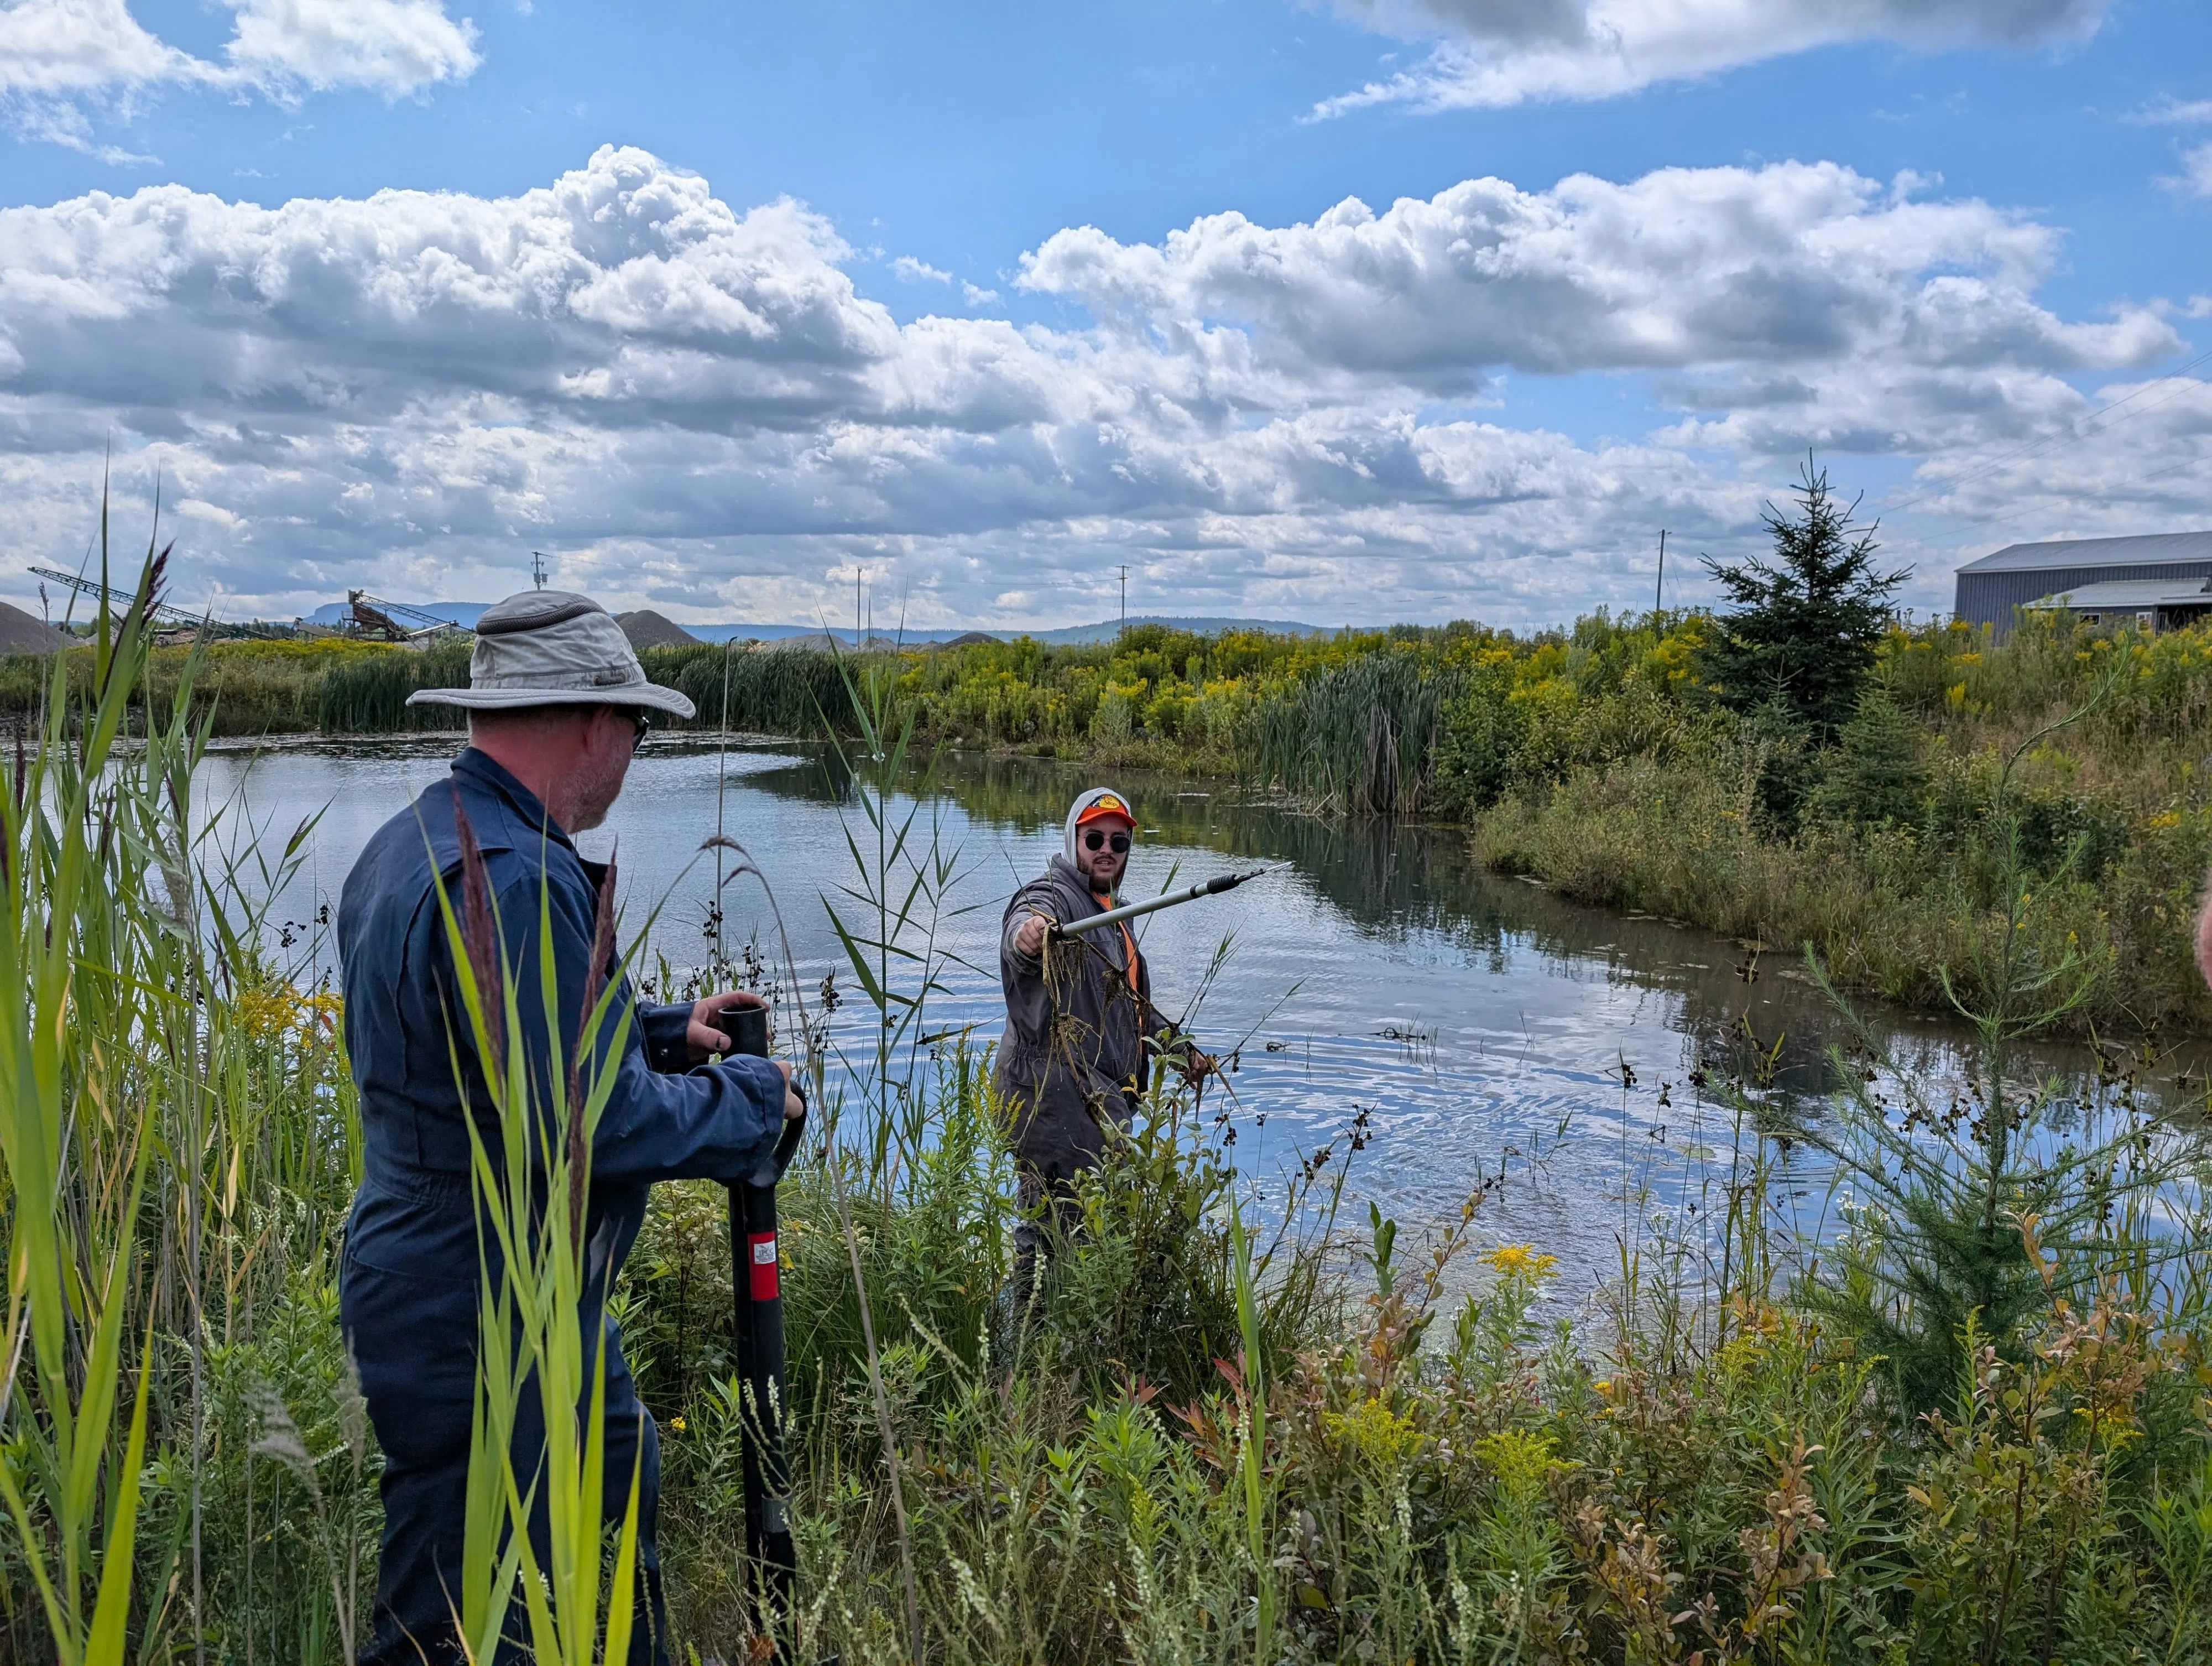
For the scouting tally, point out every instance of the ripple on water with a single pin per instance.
(1486, 1026)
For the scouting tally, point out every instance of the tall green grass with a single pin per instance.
(770, 690)
(1230, 1433)
(70, 1475)
(1359, 737)
(366, 693)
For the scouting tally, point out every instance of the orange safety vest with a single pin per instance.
(1128, 943)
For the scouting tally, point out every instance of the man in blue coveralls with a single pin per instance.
(557, 704)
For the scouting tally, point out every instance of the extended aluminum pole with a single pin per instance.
(1215, 887)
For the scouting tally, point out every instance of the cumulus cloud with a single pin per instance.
(1683, 267)
(1500, 52)
(60, 46)
(698, 408)
(394, 46)
(54, 54)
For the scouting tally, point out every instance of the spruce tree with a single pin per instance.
(1801, 629)
(1875, 774)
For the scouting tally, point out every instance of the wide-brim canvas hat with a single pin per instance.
(552, 648)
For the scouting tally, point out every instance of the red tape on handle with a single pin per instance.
(765, 1287)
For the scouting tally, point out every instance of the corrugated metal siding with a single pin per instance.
(1990, 597)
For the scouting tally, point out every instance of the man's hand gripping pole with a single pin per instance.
(1213, 887)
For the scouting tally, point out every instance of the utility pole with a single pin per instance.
(1661, 589)
(857, 573)
(538, 573)
(1125, 599)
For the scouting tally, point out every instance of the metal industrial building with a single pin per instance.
(1991, 588)
(2150, 605)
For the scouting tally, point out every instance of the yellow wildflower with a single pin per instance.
(1374, 1432)
(270, 1012)
(1521, 1261)
(1521, 1460)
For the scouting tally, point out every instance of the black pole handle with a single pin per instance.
(771, 1559)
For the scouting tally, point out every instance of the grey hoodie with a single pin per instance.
(1074, 1053)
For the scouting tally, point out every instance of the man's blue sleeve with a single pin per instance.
(719, 1122)
(667, 1033)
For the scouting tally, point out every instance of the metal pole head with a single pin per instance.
(747, 1029)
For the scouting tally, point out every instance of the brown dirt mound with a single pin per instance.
(24, 633)
(646, 629)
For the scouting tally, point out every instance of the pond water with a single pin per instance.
(1482, 1025)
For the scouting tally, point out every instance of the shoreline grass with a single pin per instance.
(1593, 759)
(1976, 1425)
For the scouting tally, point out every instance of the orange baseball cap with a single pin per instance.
(1105, 805)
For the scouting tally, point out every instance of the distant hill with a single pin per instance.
(459, 613)
(467, 613)
(819, 641)
(1104, 631)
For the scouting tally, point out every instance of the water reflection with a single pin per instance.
(1484, 1024)
(1396, 884)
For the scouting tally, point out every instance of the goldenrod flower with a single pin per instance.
(1520, 1260)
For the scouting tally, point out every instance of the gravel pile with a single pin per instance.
(646, 629)
(25, 633)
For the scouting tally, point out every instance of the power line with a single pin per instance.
(2037, 508)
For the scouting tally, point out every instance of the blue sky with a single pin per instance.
(1930, 239)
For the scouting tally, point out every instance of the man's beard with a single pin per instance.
(594, 789)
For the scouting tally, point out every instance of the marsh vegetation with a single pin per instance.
(1801, 768)
(1973, 1421)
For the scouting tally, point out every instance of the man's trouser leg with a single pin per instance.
(414, 1342)
(1038, 1229)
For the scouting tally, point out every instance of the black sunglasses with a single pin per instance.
(1094, 840)
(640, 720)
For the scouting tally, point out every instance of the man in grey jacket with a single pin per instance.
(1081, 1028)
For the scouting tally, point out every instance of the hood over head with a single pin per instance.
(1090, 804)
